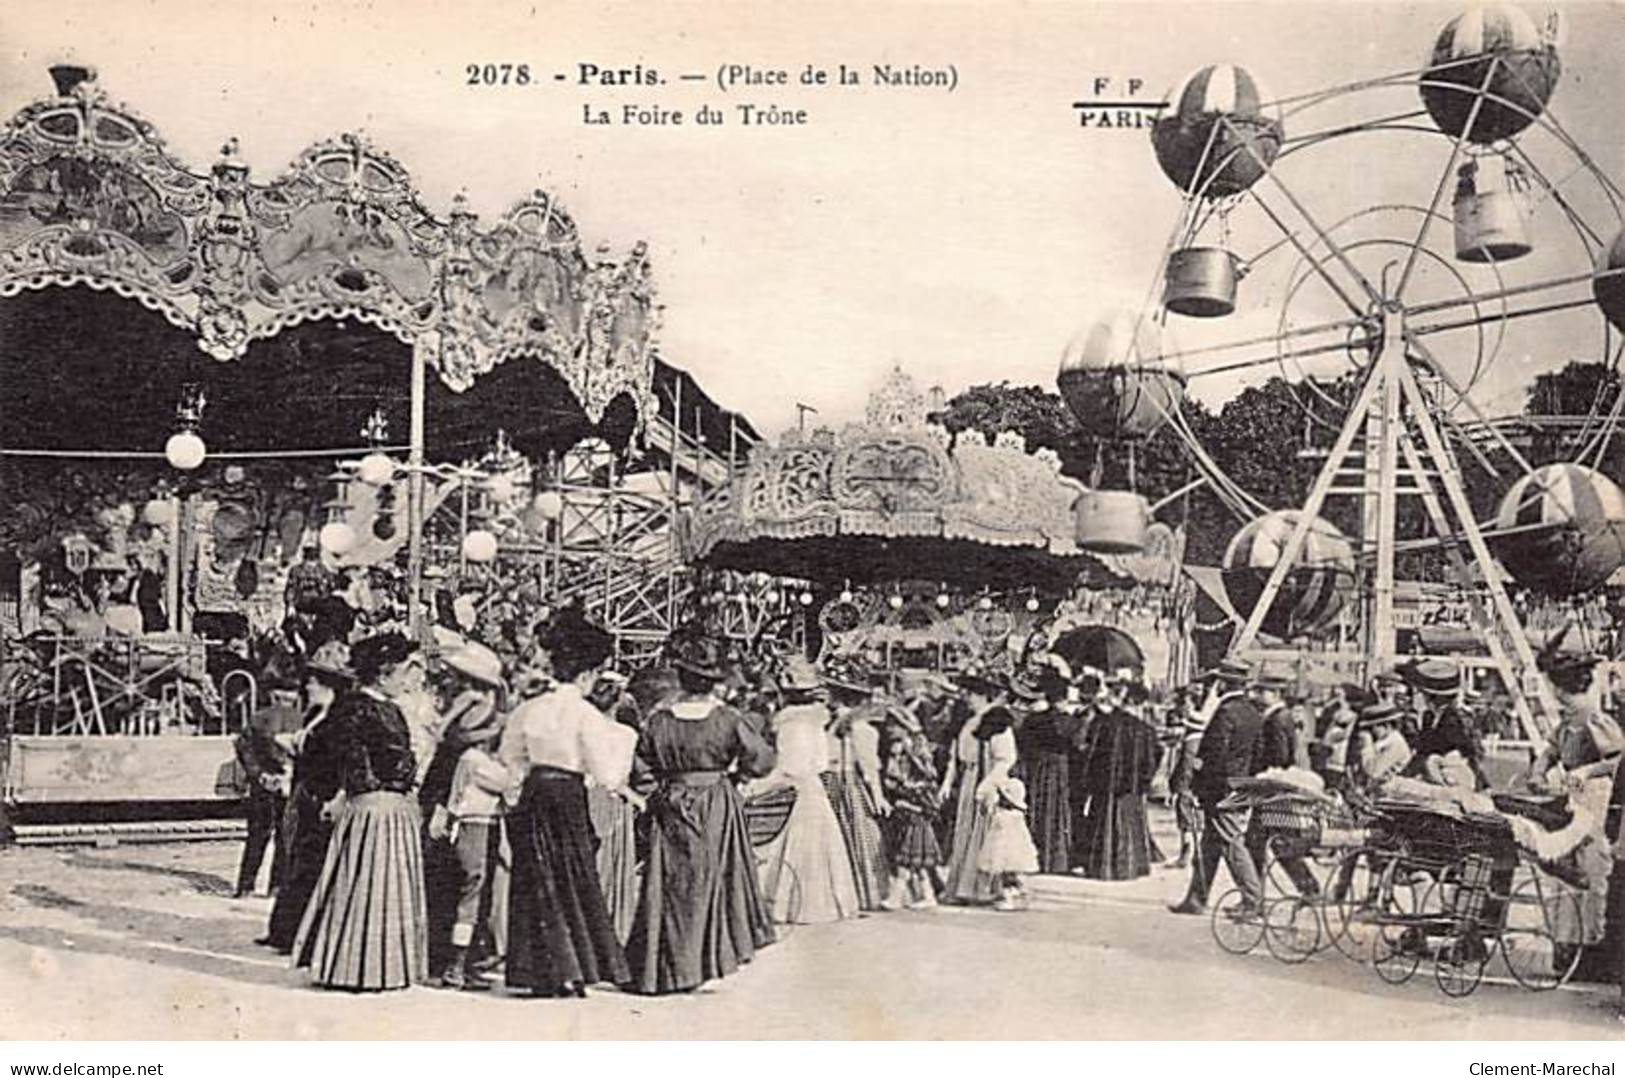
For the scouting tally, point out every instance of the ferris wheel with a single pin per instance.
(1406, 250)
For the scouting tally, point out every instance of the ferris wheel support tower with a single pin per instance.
(1390, 414)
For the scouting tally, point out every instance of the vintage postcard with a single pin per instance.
(812, 521)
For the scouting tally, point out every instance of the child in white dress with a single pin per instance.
(1008, 852)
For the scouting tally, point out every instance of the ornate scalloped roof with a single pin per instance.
(895, 477)
(90, 195)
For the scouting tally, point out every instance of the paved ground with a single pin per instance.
(144, 942)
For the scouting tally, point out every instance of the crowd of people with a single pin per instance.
(551, 823)
(442, 815)
(1405, 737)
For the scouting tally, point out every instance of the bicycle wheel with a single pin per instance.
(1529, 944)
(1292, 930)
(1458, 965)
(1234, 929)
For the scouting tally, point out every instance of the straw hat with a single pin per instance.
(849, 675)
(1230, 671)
(475, 660)
(1437, 677)
(332, 659)
(1381, 713)
(799, 675)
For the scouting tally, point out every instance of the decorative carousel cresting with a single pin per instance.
(1387, 317)
(93, 206)
(923, 550)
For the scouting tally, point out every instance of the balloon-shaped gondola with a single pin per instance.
(1562, 529)
(1494, 58)
(1116, 381)
(1315, 588)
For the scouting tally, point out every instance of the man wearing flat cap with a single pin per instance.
(1230, 748)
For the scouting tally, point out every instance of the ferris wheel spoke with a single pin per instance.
(1435, 328)
(1317, 264)
(1548, 119)
(1458, 147)
(1552, 190)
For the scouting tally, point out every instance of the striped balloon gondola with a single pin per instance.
(1221, 137)
(1115, 381)
(1315, 589)
(1564, 529)
(1525, 73)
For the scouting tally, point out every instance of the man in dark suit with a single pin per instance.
(266, 763)
(1231, 748)
(1278, 744)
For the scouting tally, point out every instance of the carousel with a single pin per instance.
(219, 391)
(924, 550)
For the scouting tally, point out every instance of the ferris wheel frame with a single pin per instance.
(1398, 417)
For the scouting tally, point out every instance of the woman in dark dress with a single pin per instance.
(1114, 838)
(561, 936)
(701, 913)
(366, 928)
(307, 824)
(1045, 745)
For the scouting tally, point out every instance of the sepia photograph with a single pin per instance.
(919, 520)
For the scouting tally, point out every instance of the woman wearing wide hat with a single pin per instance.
(984, 753)
(852, 776)
(561, 936)
(366, 928)
(700, 914)
(808, 858)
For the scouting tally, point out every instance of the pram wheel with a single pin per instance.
(1292, 929)
(1459, 965)
(1236, 928)
(1540, 911)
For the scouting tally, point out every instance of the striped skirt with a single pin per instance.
(860, 829)
(366, 927)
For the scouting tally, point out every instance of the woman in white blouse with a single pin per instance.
(561, 937)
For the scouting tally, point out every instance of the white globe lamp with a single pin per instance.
(338, 538)
(480, 546)
(185, 450)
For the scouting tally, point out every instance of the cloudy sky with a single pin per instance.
(965, 235)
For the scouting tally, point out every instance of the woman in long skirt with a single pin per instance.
(1046, 743)
(614, 817)
(701, 913)
(366, 926)
(561, 937)
(317, 776)
(806, 875)
(852, 779)
(984, 753)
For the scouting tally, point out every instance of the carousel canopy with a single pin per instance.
(90, 196)
(893, 497)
